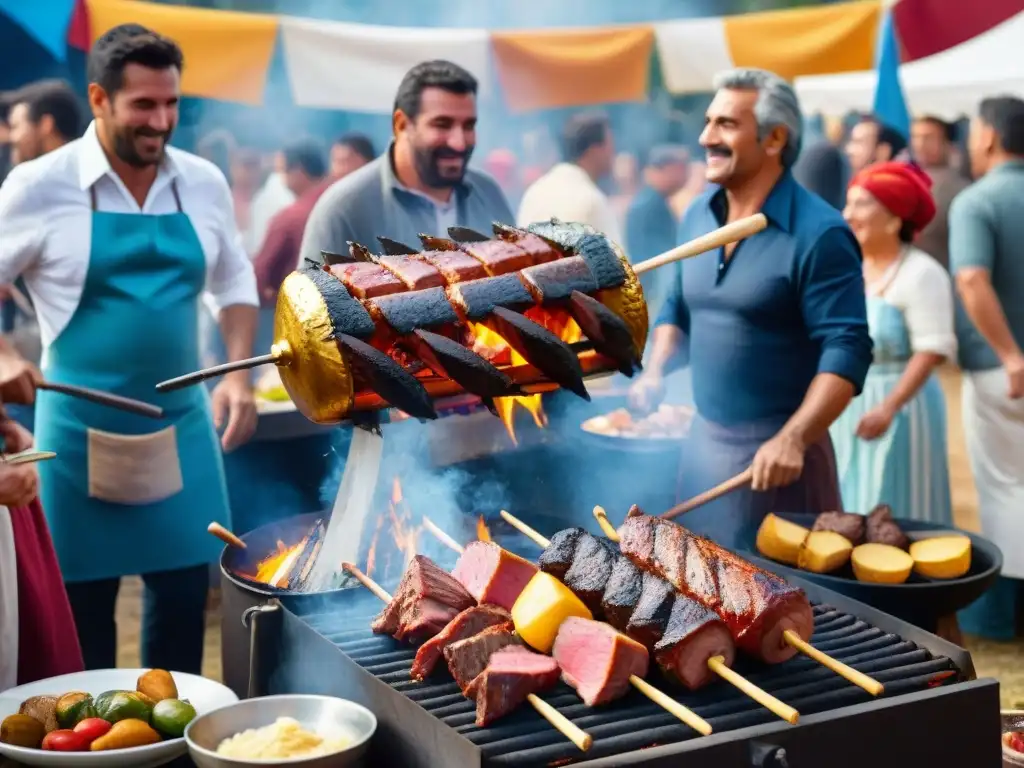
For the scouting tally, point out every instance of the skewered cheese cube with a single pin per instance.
(542, 607)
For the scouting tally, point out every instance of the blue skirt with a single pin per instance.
(907, 467)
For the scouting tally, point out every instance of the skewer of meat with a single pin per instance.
(768, 618)
(577, 639)
(690, 644)
(560, 722)
(360, 324)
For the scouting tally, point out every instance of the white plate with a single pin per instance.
(205, 695)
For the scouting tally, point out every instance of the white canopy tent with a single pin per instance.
(948, 85)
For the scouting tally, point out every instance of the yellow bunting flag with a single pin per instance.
(227, 54)
(806, 41)
(568, 68)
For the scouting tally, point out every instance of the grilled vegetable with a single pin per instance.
(157, 684)
(74, 707)
(22, 731)
(881, 564)
(114, 706)
(542, 607)
(125, 734)
(944, 557)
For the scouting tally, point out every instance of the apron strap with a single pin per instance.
(174, 191)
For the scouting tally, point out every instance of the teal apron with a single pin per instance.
(130, 494)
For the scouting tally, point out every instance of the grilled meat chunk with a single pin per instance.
(539, 249)
(499, 257)
(468, 658)
(556, 280)
(846, 524)
(415, 274)
(693, 635)
(492, 574)
(622, 593)
(558, 555)
(406, 312)
(426, 599)
(466, 624)
(367, 281)
(478, 298)
(511, 675)
(651, 615)
(591, 568)
(757, 606)
(597, 660)
(454, 266)
(882, 529)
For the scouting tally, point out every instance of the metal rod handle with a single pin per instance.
(105, 398)
(218, 370)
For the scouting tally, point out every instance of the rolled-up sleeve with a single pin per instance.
(232, 279)
(832, 303)
(22, 225)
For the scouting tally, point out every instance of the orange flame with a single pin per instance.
(562, 326)
(275, 569)
(483, 533)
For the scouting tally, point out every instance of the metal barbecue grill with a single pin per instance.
(933, 712)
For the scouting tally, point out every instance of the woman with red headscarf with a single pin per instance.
(890, 443)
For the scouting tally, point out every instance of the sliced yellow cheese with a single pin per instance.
(944, 557)
(541, 608)
(780, 539)
(824, 552)
(881, 564)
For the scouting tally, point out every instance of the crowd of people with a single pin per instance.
(813, 345)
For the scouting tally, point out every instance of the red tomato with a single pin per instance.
(65, 741)
(92, 728)
(1016, 741)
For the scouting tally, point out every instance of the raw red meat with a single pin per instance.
(492, 574)
(597, 660)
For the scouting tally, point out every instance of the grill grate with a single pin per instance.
(633, 722)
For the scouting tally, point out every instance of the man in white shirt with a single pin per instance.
(117, 235)
(569, 191)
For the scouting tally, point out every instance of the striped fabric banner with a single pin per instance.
(568, 68)
(227, 53)
(358, 67)
(926, 27)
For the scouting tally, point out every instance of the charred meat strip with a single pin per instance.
(539, 249)
(557, 557)
(693, 635)
(604, 264)
(511, 675)
(622, 593)
(597, 660)
(478, 298)
(466, 624)
(498, 257)
(757, 606)
(416, 274)
(367, 281)
(454, 266)
(556, 280)
(405, 312)
(846, 524)
(492, 574)
(468, 658)
(592, 565)
(425, 601)
(651, 615)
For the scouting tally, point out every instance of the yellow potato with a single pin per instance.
(824, 552)
(541, 608)
(944, 557)
(780, 539)
(881, 564)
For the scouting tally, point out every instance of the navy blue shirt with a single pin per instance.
(788, 305)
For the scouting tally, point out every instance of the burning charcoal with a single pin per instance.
(541, 349)
(607, 331)
(479, 298)
(395, 248)
(299, 576)
(432, 243)
(466, 235)
(348, 315)
(463, 366)
(387, 378)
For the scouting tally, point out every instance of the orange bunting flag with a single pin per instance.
(569, 68)
(227, 53)
(806, 41)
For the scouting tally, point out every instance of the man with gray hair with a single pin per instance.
(774, 328)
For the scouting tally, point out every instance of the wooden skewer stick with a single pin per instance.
(730, 233)
(28, 457)
(730, 485)
(859, 679)
(225, 535)
(441, 536)
(606, 524)
(663, 700)
(560, 722)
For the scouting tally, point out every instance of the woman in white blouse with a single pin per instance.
(890, 442)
